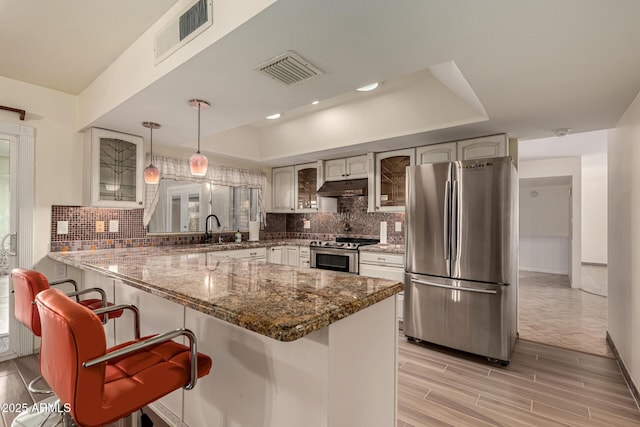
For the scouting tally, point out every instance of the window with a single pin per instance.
(184, 207)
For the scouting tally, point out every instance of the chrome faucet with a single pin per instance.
(207, 233)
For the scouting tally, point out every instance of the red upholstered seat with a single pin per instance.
(26, 285)
(73, 335)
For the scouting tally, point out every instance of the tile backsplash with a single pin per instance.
(351, 221)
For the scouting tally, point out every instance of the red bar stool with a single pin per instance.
(102, 385)
(27, 284)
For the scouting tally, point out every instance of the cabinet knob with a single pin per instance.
(344, 175)
(292, 209)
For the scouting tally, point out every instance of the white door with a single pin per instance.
(16, 230)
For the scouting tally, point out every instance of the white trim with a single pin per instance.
(22, 139)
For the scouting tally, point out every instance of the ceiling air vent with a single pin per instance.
(289, 68)
(180, 30)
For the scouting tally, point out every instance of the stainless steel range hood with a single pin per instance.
(351, 187)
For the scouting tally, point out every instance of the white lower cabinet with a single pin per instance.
(157, 315)
(385, 266)
(305, 257)
(91, 279)
(285, 255)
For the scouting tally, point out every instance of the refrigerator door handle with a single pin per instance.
(454, 220)
(456, 288)
(446, 240)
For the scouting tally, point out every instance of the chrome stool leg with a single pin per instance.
(46, 413)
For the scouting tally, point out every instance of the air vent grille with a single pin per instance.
(181, 29)
(289, 68)
(193, 18)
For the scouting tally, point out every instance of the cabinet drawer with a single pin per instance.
(305, 252)
(246, 253)
(378, 258)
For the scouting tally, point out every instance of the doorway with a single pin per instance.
(17, 152)
(563, 202)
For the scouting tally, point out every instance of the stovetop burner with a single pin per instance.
(350, 243)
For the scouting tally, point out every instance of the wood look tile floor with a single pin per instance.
(552, 312)
(542, 386)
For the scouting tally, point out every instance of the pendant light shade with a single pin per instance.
(151, 173)
(199, 162)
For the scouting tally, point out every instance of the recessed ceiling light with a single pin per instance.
(368, 87)
(561, 132)
(273, 116)
(316, 102)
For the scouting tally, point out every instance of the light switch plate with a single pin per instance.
(99, 226)
(63, 227)
(398, 226)
(113, 226)
(306, 223)
(61, 271)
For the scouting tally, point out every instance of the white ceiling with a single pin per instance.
(573, 145)
(65, 45)
(534, 65)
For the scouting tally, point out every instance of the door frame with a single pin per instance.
(22, 173)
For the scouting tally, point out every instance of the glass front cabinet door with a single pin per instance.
(391, 179)
(306, 183)
(114, 169)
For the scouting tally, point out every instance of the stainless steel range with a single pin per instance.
(338, 255)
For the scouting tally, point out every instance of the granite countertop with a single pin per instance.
(281, 302)
(209, 247)
(384, 248)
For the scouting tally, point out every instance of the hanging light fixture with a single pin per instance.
(198, 162)
(151, 173)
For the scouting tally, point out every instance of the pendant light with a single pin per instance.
(151, 173)
(198, 162)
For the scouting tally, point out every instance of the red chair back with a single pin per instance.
(26, 285)
(72, 334)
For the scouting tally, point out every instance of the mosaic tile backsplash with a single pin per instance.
(352, 221)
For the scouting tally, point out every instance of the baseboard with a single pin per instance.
(539, 270)
(595, 264)
(625, 372)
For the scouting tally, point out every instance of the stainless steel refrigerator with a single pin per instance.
(461, 275)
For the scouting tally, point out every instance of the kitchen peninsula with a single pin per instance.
(290, 346)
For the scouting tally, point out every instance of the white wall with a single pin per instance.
(545, 210)
(557, 167)
(58, 153)
(545, 227)
(594, 208)
(624, 238)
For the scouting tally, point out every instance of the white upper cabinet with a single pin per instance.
(283, 180)
(295, 187)
(113, 169)
(390, 176)
(349, 168)
(486, 146)
(436, 153)
(468, 149)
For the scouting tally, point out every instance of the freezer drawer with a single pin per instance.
(474, 317)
